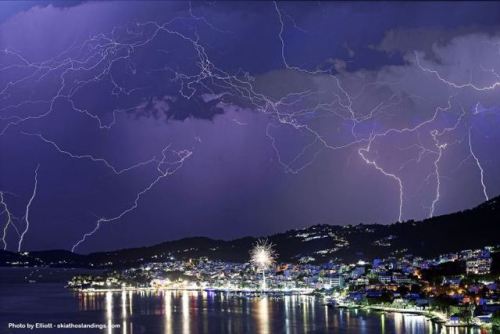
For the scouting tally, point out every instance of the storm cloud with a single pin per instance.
(295, 114)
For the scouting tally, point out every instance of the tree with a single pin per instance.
(495, 321)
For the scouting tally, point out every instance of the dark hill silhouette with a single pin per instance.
(469, 229)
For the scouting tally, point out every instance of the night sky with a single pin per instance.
(126, 124)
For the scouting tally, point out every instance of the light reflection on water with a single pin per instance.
(208, 312)
(175, 312)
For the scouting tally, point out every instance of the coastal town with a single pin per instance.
(458, 289)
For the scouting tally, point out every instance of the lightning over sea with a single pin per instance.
(198, 159)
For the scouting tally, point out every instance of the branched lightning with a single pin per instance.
(93, 61)
(165, 168)
(362, 151)
(452, 84)
(89, 156)
(435, 134)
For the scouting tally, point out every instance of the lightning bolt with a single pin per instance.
(28, 208)
(93, 60)
(478, 164)
(89, 156)
(8, 216)
(452, 84)
(362, 151)
(437, 197)
(165, 168)
(435, 134)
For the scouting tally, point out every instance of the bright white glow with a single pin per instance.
(262, 255)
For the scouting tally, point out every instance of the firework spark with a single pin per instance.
(263, 255)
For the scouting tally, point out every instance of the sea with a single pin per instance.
(34, 300)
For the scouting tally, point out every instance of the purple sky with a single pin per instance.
(155, 121)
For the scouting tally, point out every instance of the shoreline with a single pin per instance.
(433, 316)
(199, 289)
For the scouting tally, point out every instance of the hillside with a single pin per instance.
(469, 229)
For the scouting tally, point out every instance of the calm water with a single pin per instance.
(183, 312)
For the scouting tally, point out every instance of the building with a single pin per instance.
(385, 278)
(479, 266)
(337, 281)
(401, 279)
(357, 272)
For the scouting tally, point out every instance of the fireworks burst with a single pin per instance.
(262, 254)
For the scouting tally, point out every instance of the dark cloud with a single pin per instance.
(273, 147)
(425, 39)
